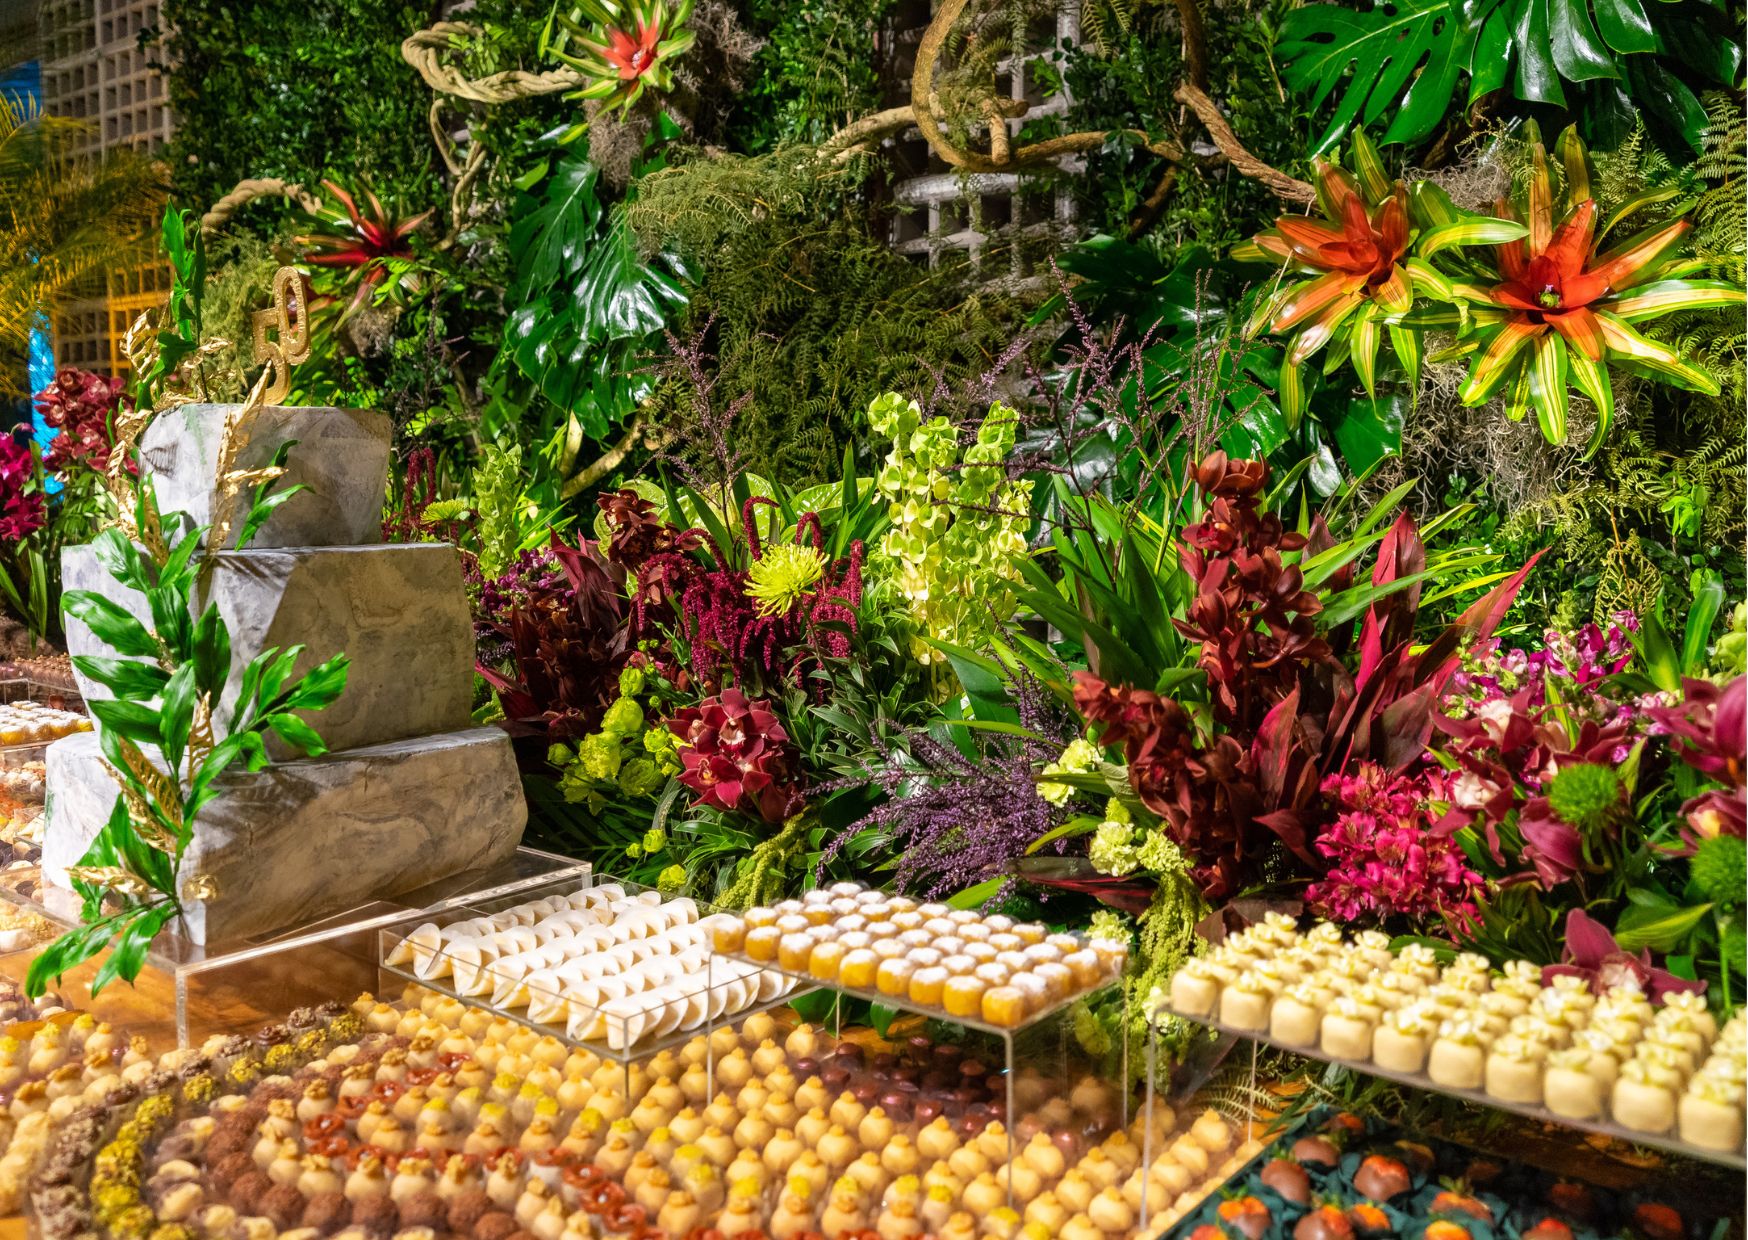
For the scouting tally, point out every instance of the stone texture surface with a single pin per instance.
(312, 837)
(397, 610)
(341, 456)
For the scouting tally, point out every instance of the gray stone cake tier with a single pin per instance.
(339, 455)
(313, 837)
(398, 611)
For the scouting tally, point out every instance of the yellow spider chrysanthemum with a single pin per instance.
(780, 578)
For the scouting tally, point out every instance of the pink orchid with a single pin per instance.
(1593, 954)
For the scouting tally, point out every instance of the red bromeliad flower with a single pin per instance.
(620, 46)
(1550, 310)
(736, 756)
(1357, 251)
(359, 242)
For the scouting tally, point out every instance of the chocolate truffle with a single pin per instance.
(466, 1209)
(375, 1215)
(248, 1189)
(228, 1170)
(495, 1226)
(327, 1212)
(424, 1209)
(283, 1204)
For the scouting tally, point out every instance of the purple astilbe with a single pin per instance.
(957, 821)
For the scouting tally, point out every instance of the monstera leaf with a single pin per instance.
(1604, 59)
(586, 301)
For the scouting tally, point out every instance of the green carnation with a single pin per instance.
(672, 879)
(1113, 849)
(1587, 795)
(1720, 869)
(600, 755)
(631, 681)
(640, 778)
(623, 718)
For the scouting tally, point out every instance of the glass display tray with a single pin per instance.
(615, 1036)
(187, 991)
(1478, 1097)
(904, 1004)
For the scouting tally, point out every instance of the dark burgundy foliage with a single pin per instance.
(1289, 712)
(568, 645)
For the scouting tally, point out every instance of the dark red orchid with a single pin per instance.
(1592, 954)
(736, 756)
(81, 406)
(359, 242)
(1710, 730)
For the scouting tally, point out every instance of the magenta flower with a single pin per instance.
(22, 511)
(1709, 729)
(1386, 858)
(1592, 953)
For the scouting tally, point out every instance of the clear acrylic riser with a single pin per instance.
(701, 1002)
(187, 992)
(1041, 1049)
(1478, 1097)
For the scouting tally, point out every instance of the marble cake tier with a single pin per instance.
(398, 611)
(312, 837)
(339, 455)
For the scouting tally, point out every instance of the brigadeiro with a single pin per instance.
(495, 1226)
(376, 1215)
(248, 1189)
(228, 1170)
(466, 1209)
(283, 1204)
(327, 1212)
(226, 1140)
(424, 1209)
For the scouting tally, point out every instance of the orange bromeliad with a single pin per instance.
(1550, 310)
(1367, 257)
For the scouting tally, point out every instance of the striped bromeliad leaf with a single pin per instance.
(620, 46)
(1551, 312)
(1366, 262)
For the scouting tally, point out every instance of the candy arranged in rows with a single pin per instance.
(45, 1076)
(600, 963)
(1516, 1035)
(968, 965)
(1336, 1177)
(30, 723)
(440, 1119)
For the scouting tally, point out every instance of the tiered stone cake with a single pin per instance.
(411, 792)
